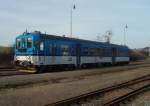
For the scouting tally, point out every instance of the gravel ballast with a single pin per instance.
(71, 84)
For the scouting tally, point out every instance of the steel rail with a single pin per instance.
(79, 98)
(125, 97)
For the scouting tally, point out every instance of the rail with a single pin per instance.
(84, 97)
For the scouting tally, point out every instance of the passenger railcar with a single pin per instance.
(38, 51)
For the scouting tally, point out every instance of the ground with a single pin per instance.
(58, 86)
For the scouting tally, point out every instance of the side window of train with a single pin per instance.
(88, 51)
(85, 51)
(41, 46)
(122, 53)
(98, 52)
(37, 45)
(64, 50)
(114, 51)
(117, 52)
(72, 51)
(104, 52)
(54, 49)
(50, 49)
(92, 52)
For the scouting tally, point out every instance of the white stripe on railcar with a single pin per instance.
(48, 60)
(122, 59)
(87, 59)
(54, 60)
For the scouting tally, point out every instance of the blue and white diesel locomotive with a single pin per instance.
(38, 51)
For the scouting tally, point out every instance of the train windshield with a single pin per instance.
(18, 43)
(23, 43)
(29, 43)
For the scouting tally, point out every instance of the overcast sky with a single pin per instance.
(90, 19)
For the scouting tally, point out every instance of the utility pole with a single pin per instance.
(125, 29)
(71, 16)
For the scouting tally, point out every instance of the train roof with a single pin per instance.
(37, 33)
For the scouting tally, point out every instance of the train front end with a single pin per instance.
(27, 52)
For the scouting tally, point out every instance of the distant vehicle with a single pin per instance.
(37, 51)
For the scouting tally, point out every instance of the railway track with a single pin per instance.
(11, 71)
(127, 97)
(136, 87)
(7, 71)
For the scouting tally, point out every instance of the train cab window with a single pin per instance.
(41, 46)
(23, 42)
(18, 43)
(29, 42)
(65, 50)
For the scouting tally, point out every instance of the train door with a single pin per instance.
(53, 54)
(114, 54)
(78, 55)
